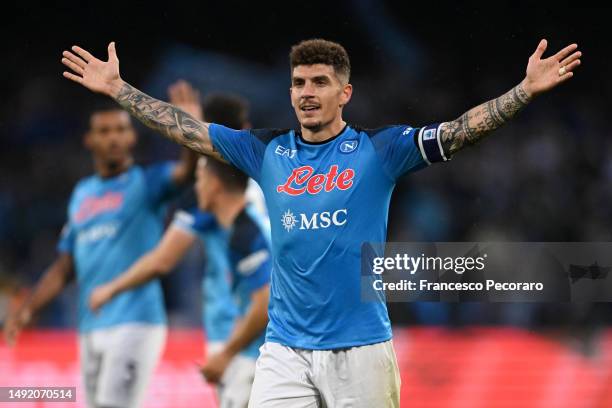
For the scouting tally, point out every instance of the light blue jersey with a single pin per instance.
(238, 263)
(324, 201)
(219, 311)
(112, 222)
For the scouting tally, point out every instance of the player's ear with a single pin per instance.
(347, 92)
(132, 138)
(291, 96)
(87, 140)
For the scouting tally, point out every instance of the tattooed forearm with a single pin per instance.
(167, 119)
(478, 122)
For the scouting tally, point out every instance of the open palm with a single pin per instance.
(92, 73)
(545, 74)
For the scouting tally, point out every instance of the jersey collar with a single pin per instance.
(298, 133)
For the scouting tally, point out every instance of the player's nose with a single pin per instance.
(308, 89)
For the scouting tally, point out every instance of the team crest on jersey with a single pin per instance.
(348, 146)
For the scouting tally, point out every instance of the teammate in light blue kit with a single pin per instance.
(114, 217)
(328, 189)
(236, 280)
(230, 254)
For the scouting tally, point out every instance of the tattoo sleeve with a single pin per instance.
(478, 122)
(168, 120)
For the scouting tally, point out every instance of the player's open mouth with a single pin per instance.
(310, 108)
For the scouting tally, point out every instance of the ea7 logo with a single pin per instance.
(348, 146)
(318, 220)
(283, 151)
(405, 132)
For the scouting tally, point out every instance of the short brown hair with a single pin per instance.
(227, 110)
(318, 51)
(232, 178)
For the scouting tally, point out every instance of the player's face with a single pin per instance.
(111, 135)
(317, 95)
(205, 186)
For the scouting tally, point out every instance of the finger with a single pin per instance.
(74, 59)
(571, 58)
(541, 48)
(182, 90)
(82, 53)
(112, 51)
(10, 335)
(565, 52)
(174, 93)
(72, 77)
(565, 77)
(72, 66)
(10, 339)
(572, 66)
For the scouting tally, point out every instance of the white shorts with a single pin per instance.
(117, 363)
(234, 389)
(365, 376)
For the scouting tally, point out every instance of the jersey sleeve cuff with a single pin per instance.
(183, 221)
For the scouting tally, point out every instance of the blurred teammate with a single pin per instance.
(235, 314)
(114, 217)
(327, 187)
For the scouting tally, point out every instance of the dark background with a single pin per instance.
(544, 177)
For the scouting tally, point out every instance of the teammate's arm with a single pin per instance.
(542, 75)
(160, 261)
(59, 274)
(172, 122)
(185, 97)
(245, 331)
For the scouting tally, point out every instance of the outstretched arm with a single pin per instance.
(542, 75)
(160, 261)
(185, 97)
(103, 77)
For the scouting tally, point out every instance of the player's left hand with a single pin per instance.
(545, 74)
(215, 366)
(99, 296)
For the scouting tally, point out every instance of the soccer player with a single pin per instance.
(114, 217)
(236, 250)
(327, 188)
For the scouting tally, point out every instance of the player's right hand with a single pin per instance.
(100, 296)
(15, 322)
(92, 73)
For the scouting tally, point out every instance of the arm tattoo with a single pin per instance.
(168, 120)
(478, 122)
